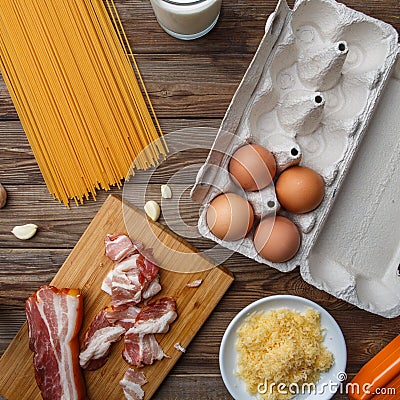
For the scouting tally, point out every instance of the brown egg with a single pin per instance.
(230, 217)
(277, 239)
(300, 189)
(253, 167)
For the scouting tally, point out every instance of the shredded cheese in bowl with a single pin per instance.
(281, 352)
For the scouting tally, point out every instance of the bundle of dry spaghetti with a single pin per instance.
(77, 95)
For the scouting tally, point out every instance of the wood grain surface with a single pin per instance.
(85, 269)
(191, 85)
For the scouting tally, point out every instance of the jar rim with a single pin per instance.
(177, 3)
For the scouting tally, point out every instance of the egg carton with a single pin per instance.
(308, 96)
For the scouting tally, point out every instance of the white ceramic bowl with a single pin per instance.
(334, 341)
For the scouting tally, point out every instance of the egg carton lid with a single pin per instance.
(356, 256)
(356, 253)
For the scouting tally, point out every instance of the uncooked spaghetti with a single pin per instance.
(67, 66)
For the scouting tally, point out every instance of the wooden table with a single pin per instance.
(191, 84)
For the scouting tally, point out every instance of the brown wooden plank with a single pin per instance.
(61, 227)
(86, 267)
(238, 30)
(233, 41)
(365, 333)
(205, 387)
(202, 353)
(18, 165)
(196, 86)
(208, 76)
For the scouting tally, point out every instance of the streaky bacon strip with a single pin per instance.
(127, 283)
(140, 345)
(124, 317)
(54, 320)
(147, 268)
(152, 289)
(118, 246)
(132, 280)
(98, 340)
(132, 383)
(156, 317)
(141, 349)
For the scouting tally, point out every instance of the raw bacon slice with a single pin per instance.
(124, 317)
(140, 345)
(118, 246)
(155, 317)
(147, 268)
(141, 349)
(98, 340)
(150, 272)
(118, 275)
(132, 383)
(152, 289)
(127, 283)
(54, 320)
(132, 280)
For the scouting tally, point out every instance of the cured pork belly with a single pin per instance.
(152, 289)
(54, 320)
(127, 283)
(147, 268)
(141, 349)
(132, 280)
(118, 246)
(155, 317)
(98, 340)
(124, 317)
(140, 345)
(132, 383)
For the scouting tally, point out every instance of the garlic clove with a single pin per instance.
(152, 209)
(166, 192)
(24, 232)
(3, 196)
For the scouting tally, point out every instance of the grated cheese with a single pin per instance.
(282, 347)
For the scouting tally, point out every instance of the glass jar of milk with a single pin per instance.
(187, 19)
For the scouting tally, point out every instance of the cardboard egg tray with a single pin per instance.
(321, 74)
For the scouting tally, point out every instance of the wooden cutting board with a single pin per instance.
(86, 267)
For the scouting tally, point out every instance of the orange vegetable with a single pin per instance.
(380, 373)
